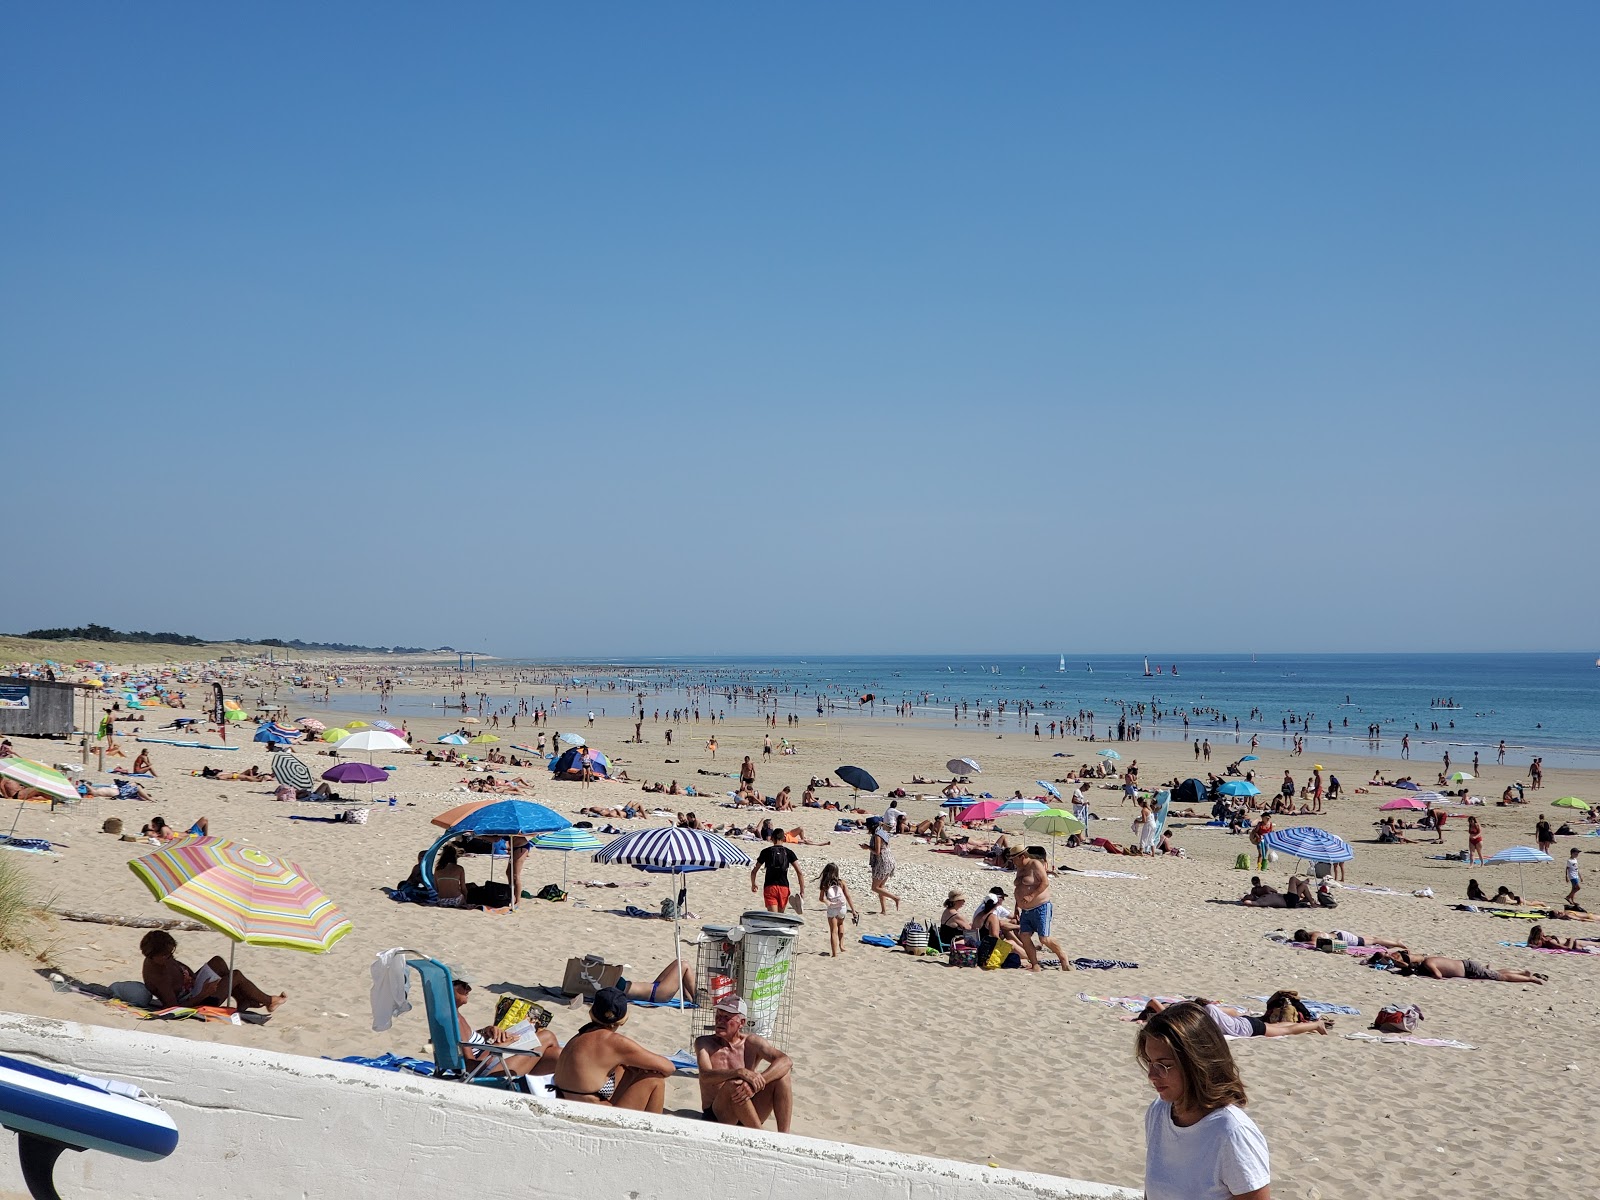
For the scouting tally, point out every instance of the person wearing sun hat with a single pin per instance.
(734, 1090)
(602, 1065)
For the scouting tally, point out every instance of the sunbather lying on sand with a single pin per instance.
(627, 810)
(1299, 894)
(1538, 939)
(1437, 967)
(251, 774)
(1235, 1022)
(1348, 938)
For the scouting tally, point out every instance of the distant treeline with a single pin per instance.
(104, 633)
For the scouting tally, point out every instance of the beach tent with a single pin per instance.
(568, 764)
(1189, 793)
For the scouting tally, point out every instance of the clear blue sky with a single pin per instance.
(684, 329)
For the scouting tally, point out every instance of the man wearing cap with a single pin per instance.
(1034, 908)
(602, 1065)
(733, 1088)
(776, 859)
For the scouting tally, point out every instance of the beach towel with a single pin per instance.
(1409, 1039)
(877, 939)
(1547, 949)
(27, 845)
(1132, 1004)
(1102, 964)
(388, 1062)
(684, 1060)
(1318, 1009)
(675, 1002)
(633, 910)
(1372, 891)
(1103, 874)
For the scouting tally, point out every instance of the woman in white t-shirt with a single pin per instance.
(1199, 1144)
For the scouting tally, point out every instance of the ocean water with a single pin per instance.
(1536, 703)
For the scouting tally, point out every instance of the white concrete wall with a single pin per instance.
(274, 1126)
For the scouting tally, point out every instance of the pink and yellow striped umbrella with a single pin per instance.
(241, 892)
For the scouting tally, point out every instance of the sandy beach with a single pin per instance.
(1006, 1067)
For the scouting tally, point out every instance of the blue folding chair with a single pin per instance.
(444, 1030)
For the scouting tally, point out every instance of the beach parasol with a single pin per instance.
(1111, 754)
(1310, 843)
(1249, 758)
(1521, 856)
(384, 725)
(311, 724)
(1238, 787)
(956, 802)
(1402, 802)
(1022, 806)
(572, 739)
(1054, 823)
(40, 778)
(371, 740)
(1459, 777)
(243, 893)
(857, 778)
(983, 810)
(335, 735)
(452, 739)
(567, 840)
(291, 772)
(484, 739)
(356, 772)
(353, 725)
(500, 818)
(1571, 802)
(676, 851)
(269, 735)
(963, 766)
(1049, 788)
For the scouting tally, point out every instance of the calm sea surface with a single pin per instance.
(1535, 702)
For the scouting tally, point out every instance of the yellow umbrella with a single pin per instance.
(335, 735)
(485, 737)
(356, 725)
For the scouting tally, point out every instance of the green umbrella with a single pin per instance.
(1054, 823)
(1572, 802)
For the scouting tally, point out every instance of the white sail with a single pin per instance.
(1063, 665)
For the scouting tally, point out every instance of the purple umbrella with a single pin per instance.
(355, 772)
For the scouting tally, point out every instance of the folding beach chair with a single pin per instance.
(444, 1030)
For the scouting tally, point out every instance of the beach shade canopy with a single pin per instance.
(1515, 854)
(570, 762)
(452, 739)
(963, 766)
(1459, 777)
(672, 848)
(454, 816)
(311, 724)
(39, 777)
(243, 893)
(1571, 802)
(1112, 754)
(1402, 802)
(1190, 792)
(572, 739)
(1239, 787)
(983, 810)
(857, 778)
(485, 738)
(1310, 843)
(291, 772)
(1249, 758)
(335, 735)
(354, 772)
(501, 818)
(373, 739)
(266, 733)
(1022, 806)
(1050, 788)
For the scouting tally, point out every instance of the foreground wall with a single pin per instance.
(276, 1126)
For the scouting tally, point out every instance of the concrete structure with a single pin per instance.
(269, 1126)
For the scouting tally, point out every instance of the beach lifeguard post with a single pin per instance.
(36, 707)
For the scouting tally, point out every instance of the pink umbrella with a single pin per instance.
(1403, 802)
(983, 810)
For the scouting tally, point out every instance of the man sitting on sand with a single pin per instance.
(602, 1065)
(1436, 967)
(733, 1088)
(1312, 936)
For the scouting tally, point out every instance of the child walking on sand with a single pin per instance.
(832, 892)
(1572, 876)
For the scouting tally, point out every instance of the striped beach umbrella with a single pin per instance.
(291, 772)
(567, 840)
(243, 893)
(1050, 788)
(1521, 856)
(452, 739)
(672, 847)
(1021, 806)
(311, 724)
(39, 777)
(1310, 843)
(963, 766)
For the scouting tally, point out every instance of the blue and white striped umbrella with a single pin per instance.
(1049, 787)
(1026, 807)
(672, 847)
(1311, 844)
(1517, 854)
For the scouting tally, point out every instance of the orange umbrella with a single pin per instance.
(448, 820)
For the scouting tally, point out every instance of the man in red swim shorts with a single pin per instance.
(776, 859)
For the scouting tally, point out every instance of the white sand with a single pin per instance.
(909, 1054)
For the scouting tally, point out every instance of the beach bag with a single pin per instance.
(997, 957)
(355, 816)
(550, 892)
(963, 954)
(1286, 1007)
(913, 938)
(112, 825)
(1393, 1019)
(490, 895)
(1242, 863)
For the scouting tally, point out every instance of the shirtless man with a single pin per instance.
(733, 1090)
(1437, 967)
(602, 1065)
(1034, 908)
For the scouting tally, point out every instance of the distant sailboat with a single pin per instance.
(1147, 672)
(1063, 665)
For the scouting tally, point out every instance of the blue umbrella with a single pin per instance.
(958, 802)
(1022, 806)
(1521, 855)
(269, 735)
(509, 817)
(1310, 843)
(857, 778)
(1249, 758)
(453, 739)
(1109, 754)
(1239, 787)
(1049, 787)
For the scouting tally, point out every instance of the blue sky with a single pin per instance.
(676, 329)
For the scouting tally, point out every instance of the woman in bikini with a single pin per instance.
(602, 1065)
(173, 984)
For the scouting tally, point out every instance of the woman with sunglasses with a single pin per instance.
(1200, 1145)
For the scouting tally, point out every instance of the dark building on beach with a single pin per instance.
(36, 707)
